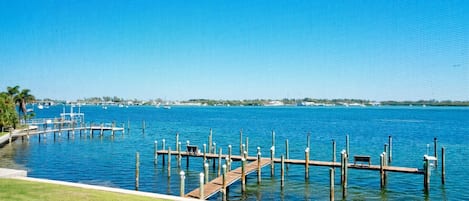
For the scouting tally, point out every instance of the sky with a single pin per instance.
(179, 50)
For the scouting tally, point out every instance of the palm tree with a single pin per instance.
(8, 116)
(24, 98)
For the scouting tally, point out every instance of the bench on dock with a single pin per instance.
(192, 149)
(361, 158)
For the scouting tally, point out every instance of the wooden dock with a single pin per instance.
(216, 185)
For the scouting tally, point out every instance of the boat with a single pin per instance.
(40, 107)
(167, 107)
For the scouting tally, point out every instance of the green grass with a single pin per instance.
(3, 133)
(14, 189)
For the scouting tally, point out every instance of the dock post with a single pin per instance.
(183, 177)
(219, 162)
(214, 151)
(137, 167)
(123, 128)
(347, 145)
(169, 161)
(333, 152)
(287, 155)
(205, 153)
(112, 128)
(331, 184)
(241, 142)
(210, 141)
(224, 183)
(307, 163)
(201, 186)
(390, 149)
(156, 152)
(187, 157)
(243, 150)
(177, 141)
(381, 170)
(229, 157)
(273, 138)
(247, 146)
(435, 150)
(102, 130)
(385, 151)
(179, 155)
(343, 172)
(272, 163)
(282, 171)
(426, 177)
(243, 174)
(442, 165)
(206, 172)
(163, 148)
(258, 165)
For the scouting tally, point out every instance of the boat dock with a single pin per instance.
(254, 163)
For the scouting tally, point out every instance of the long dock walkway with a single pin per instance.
(216, 185)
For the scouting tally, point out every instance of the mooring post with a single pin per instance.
(381, 170)
(201, 186)
(331, 184)
(435, 150)
(169, 161)
(123, 128)
(224, 182)
(179, 155)
(287, 155)
(272, 163)
(177, 141)
(243, 174)
(347, 144)
(183, 177)
(243, 148)
(390, 149)
(163, 148)
(342, 172)
(206, 172)
(137, 167)
(210, 141)
(426, 177)
(307, 163)
(214, 152)
(385, 149)
(273, 138)
(282, 171)
(247, 147)
(385, 163)
(156, 152)
(187, 157)
(102, 130)
(205, 153)
(442, 165)
(229, 157)
(241, 142)
(333, 152)
(219, 162)
(258, 165)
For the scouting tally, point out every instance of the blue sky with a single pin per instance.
(177, 50)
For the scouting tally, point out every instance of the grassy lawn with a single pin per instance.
(13, 189)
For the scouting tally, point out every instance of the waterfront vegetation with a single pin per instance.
(9, 100)
(14, 189)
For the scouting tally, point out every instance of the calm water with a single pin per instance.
(111, 161)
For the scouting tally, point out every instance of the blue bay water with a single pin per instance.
(110, 161)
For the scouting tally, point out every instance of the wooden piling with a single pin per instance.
(169, 161)
(205, 152)
(435, 150)
(179, 155)
(206, 172)
(210, 141)
(385, 150)
(247, 146)
(287, 155)
(273, 138)
(183, 177)
(201, 186)
(282, 171)
(187, 157)
(347, 144)
(426, 175)
(163, 148)
(331, 184)
(102, 130)
(381, 170)
(390, 149)
(177, 141)
(272, 164)
(333, 151)
(442, 165)
(137, 172)
(219, 162)
(229, 157)
(156, 152)
(307, 163)
(240, 141)
(258, 165)
(243, 174)
(224, 183)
